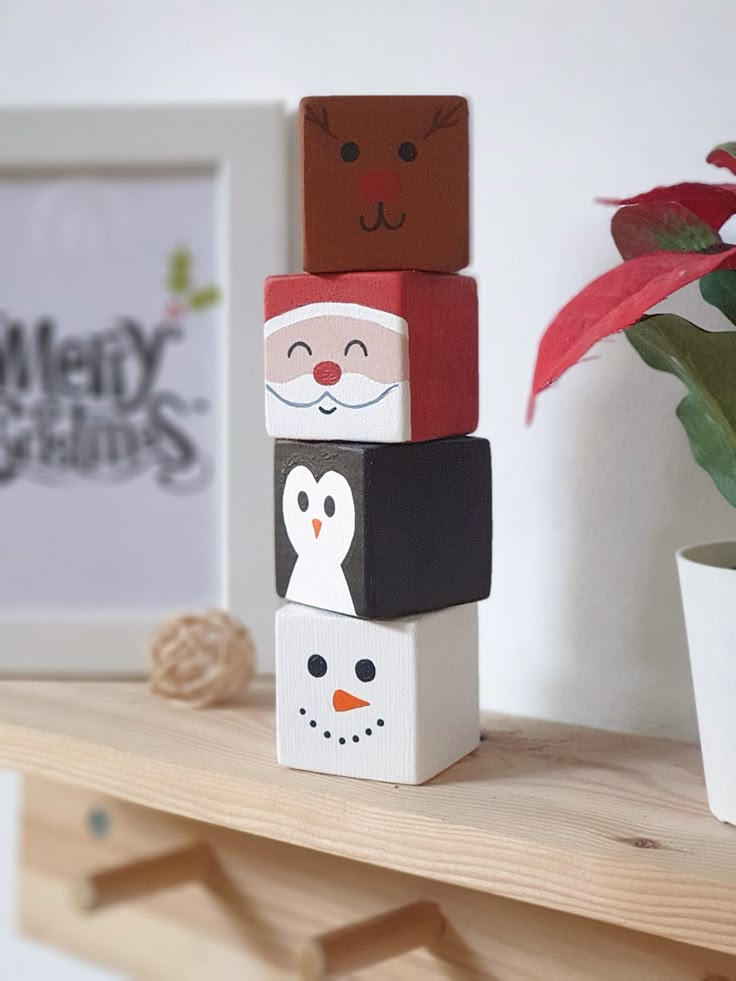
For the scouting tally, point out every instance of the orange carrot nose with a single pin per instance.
(317, 525)
(343, 701)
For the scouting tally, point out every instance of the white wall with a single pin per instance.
(570, 100)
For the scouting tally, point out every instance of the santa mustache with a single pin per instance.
(353, 391)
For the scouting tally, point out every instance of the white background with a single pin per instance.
(570, 100)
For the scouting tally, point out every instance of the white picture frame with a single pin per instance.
(244, 148)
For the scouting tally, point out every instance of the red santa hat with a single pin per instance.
(360, 296)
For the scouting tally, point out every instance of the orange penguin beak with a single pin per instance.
(343, 701)
(317, 525)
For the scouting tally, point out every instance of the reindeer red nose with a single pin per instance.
(380, 185)
(327, 373)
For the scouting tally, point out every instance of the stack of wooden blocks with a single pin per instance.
(382, 499)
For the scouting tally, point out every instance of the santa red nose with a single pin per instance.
(327, 373)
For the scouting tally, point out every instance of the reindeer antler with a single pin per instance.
(319, 120)
(443, 119)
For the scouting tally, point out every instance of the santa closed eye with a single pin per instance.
(338, 371)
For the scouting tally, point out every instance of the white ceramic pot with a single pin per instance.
(708, 585)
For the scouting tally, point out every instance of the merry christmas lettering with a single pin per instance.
(87, 406)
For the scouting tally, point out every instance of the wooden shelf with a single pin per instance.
(606, 826)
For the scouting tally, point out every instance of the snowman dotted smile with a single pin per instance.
(344, 701)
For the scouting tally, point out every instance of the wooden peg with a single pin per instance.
(371, 941)
(137, 879)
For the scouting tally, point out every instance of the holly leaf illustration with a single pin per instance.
(614, 301)
(660, 226)
(723, 155)
(179, 279)
(712, 203)
(205, 297)
(719, 289)
(705, 362)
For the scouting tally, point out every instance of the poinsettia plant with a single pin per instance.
(667, 237)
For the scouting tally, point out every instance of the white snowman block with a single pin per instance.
(393, 700)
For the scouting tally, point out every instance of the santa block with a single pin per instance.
(384, 182)
(381, 530)
(387, 357)
(395, 701)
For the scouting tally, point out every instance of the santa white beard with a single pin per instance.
(356, 408)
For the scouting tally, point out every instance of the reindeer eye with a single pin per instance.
(408, 151)
(350, 152)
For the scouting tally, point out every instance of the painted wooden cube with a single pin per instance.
(388, 357)
(382, 700)
(381, 530)
(384, 182)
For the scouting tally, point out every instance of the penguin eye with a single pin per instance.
(303, 501)
(317, 666)
(329, 506)
(365, 670)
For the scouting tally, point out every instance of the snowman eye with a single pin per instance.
(317, 666)
(329, 506)
(303, 501)
(365, 670)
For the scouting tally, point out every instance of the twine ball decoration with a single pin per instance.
(200, 659)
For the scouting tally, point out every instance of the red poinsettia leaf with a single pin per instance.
(723, 155)
(613, 302)
(713, 203)
(660, 226)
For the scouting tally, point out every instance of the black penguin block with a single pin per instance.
(381, 530)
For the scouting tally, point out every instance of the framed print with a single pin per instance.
(135, 470)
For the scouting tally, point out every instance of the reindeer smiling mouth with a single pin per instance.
(382, 221)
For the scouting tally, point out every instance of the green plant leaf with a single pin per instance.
(705, 362)
(205, 297)
(179, 279)
(719, 289)
(661, 226)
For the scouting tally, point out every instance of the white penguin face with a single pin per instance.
(319, 515)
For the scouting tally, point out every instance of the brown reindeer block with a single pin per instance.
(385, 183)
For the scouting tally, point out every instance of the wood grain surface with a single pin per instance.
(605, 826)
(266, 902)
